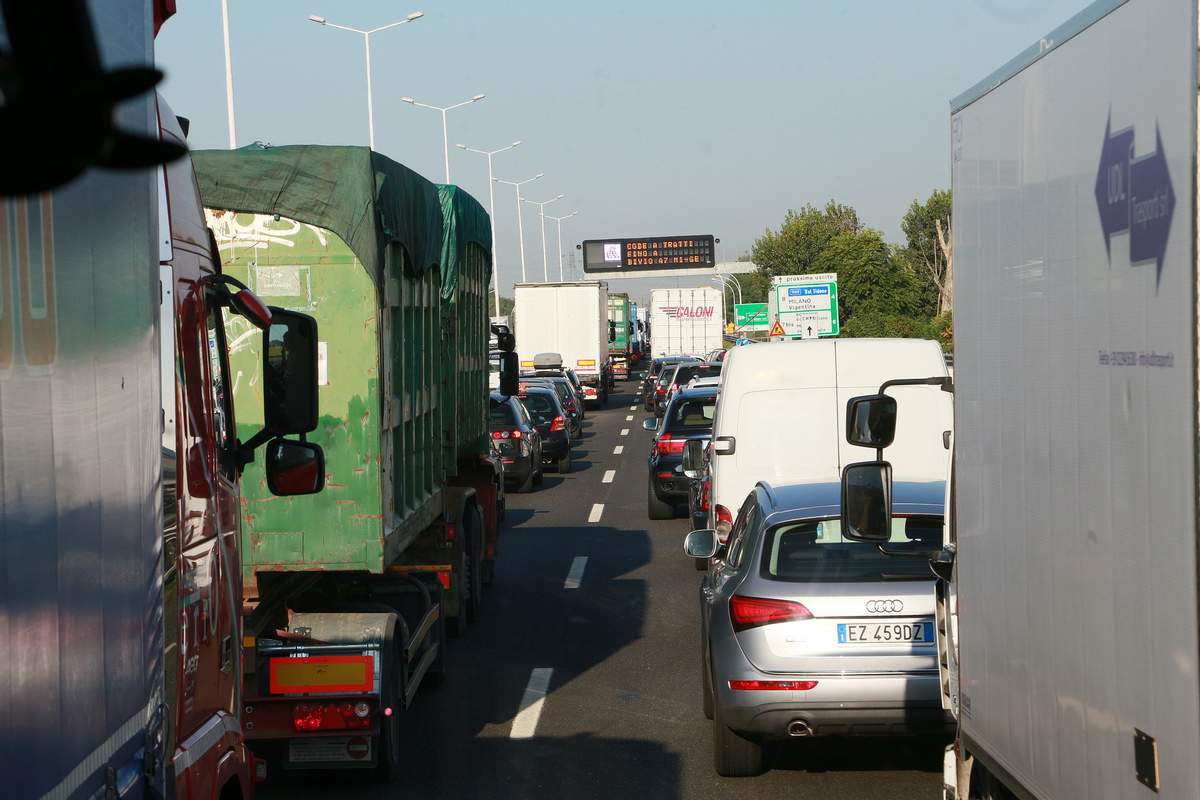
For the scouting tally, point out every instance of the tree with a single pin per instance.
(930, 248)
(802, 237)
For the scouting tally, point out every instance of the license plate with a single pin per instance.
(329, 749)
(885, 632)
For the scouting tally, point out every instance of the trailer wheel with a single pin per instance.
(392, 690)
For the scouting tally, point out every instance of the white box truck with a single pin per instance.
(570, 319)
(686, 321)
(1071, 557)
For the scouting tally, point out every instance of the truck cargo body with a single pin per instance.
(570, 319)
(620, 349)
(686, 321)
(1076, 403)
(404, 535)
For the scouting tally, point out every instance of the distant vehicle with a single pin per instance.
(783, 408)
(516, 439)
(650, 377)
(549, 365)
(689, 416)
(805, 633)
(566, 398)
(684, 373)
(550, 419)
(686, 321)
(701, 383)
(621, 345)
(571, 319)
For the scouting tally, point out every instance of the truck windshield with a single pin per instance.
(814, 550)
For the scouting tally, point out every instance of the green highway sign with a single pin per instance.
(804, 306)
(751, 317)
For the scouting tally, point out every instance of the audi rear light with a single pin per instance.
(724, 522)
(772, 686)
(752, 612)
(557, 424)
(669, 446)
(331, 716)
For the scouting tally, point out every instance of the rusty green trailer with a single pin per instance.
(395, 269)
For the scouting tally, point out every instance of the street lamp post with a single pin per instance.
(520, 222)
(558, 222)
(492, 208)
(542, 224)
(445, 132)
(367, 46)
(228, 74)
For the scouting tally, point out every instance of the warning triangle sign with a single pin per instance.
(777, 329)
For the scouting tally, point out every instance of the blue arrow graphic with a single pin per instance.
(1135, 195)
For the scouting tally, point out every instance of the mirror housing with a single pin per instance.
(505, 340)
(295, 468)
(871, 420)
(650, 424)
(612, 331)
(290, 373)
(510, 374)
(701, 544)
(867, 502)
(724, 445)
(693, 457)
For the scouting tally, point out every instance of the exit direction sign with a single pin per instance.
(751, 317)
(804, 306)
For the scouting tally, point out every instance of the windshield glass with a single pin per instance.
(503, 416)
(696, 413)
(540, 406)
(814, 550)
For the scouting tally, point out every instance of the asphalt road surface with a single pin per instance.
(582, 680)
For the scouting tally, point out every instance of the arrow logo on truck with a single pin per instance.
(1135, 195)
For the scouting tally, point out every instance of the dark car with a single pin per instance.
(689, 416)
(566, 398)
(569, 374)
(517, 441)
(678, 379)
(550, 419)
(651, 380)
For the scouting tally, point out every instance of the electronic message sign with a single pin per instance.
(649, 253)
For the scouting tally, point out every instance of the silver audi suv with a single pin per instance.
(804, 633)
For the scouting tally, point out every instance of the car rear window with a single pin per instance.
(696, 413)
(685, 374)
(540, 406)
(815, 551)
(503, 416)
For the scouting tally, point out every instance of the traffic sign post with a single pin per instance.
(751, 317)
(804, 306)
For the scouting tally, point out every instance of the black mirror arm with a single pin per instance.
(902, 553)
(245, 450)
(946, 383)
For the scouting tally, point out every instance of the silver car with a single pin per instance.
(804, 633)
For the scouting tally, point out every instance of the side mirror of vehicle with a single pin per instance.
(871, 420)
(867, 501)
(612, 331)
(724, 445)
(295, 468)
(505, 340)
(693, 457)
(650, 424)
(701, 543)
(290, 373)
(510, 374)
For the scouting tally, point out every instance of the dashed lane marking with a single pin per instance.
(575, 574)
(624, 431)
(609, 474)
(618, 450)
(525, 723)
(597, 510)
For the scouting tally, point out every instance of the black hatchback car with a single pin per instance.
(550, 419)
(651, 379)
(689, 416)
(566, 398)
(671, 381)
(517, 441)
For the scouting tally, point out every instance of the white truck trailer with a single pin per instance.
(1068, 623)
(571, 319)
(686, 321)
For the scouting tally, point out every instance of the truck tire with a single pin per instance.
(655, 508)
(564, 464)
(388, 770)
(475, 564)
(734, 755)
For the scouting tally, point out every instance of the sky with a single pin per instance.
(652, 117)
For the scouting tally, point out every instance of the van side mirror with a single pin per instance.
(295, 468)
(724, 445)
(693, 457)
(871, 420)
(290, 373)
(510, 374)
(867, 501)
(701, 544)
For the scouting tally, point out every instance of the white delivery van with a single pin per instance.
(686, 322)
(570, 319)
(781, 416)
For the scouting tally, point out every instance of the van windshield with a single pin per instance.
(815, 551)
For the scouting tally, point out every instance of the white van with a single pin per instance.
(781, 416)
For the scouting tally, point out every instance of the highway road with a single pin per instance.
(583, 678)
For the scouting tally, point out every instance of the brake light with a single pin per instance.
(515, 434)
(772, 686)
(660, 390)
(669, 446)
(557, 424)
(751, 612)
(724, 515)
(330, 716)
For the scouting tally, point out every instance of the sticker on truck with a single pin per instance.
(329, 749)
(322, 674)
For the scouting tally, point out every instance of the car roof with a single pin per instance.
(807, 500)
(697, 393)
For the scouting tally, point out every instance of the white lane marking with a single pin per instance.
(525, 723)
(624, 431)
(633, 408)
(629, 418)
(618, 450)
(597, 510)
(575, 574)
(609, 474)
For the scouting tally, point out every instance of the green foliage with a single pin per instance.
(922, 251)
(506, 306)
(794, 250)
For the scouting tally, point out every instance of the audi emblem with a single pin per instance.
(884, 606)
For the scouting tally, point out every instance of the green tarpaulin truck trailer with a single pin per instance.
(347, 595)
(620, 345)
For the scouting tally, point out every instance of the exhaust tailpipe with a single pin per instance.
(799, 727)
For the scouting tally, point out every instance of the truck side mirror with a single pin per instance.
(505, 340)
(871, 420)
(290, 373)
(510, 374)
(612, 331)
(867, 502)
(693, 457)
(295, 468)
